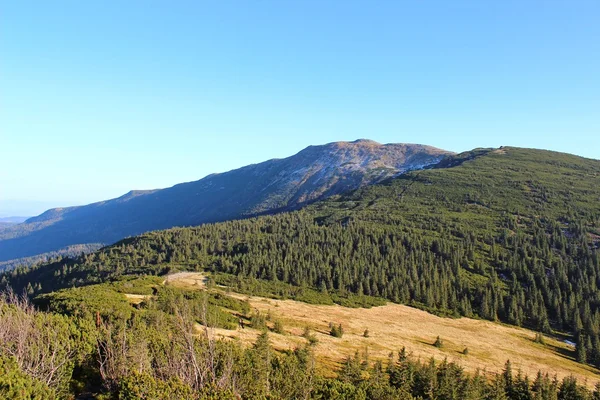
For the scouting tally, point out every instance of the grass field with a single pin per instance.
(393, 326)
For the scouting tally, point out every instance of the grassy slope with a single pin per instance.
(393, 326)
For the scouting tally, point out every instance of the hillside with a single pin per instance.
(496, 235)
(501, 234)
(314, 173)
(171, 338)
(393, 326)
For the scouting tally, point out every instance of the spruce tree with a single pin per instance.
(581, 350)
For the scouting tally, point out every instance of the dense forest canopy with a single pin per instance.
(508, 234)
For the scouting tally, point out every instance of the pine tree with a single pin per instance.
(580, 349)
(351, 371)
(497, 389)
(521, 388)
(507, 377)
(262, 353)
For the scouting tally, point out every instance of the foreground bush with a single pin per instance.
(15, 384)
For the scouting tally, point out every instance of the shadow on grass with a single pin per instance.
(428, 343)
(561, 351)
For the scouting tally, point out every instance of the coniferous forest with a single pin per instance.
(509, 235)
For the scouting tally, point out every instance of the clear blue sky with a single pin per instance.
(99, 97)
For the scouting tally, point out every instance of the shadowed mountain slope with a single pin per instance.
(275, 185)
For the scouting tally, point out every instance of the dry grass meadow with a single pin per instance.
(393, 326)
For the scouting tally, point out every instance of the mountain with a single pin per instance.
(275, 185)
(509, 235)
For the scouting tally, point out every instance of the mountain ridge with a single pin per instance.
(314, 173)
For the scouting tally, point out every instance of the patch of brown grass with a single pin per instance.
(393, 326)
(187, 280)
(136, 298)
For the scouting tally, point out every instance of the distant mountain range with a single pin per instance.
(5, 222)
(13, 220)
(276, 185)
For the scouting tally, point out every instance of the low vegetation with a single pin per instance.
(165, 350)
(394, 326)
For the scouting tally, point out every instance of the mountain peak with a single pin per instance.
(314, 173)
(364, 141)
(359, 143)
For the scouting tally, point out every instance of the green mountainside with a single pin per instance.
(279, 184)
(503, 234)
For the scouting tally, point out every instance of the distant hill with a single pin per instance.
(5, 222)
(69, 251)
(275, 185)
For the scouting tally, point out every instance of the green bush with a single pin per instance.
(258, 320)
(278, 327)
(144, 386)
(328, 389)
(16, 385)
(87, 301)
(336, 331)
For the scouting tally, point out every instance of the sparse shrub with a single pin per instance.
(37, 349)
(466, 351)
(312, 339)
(258, 321)
(336, 331)
(278, 327)
(366, 333)
(438, 343)
(306, 332)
